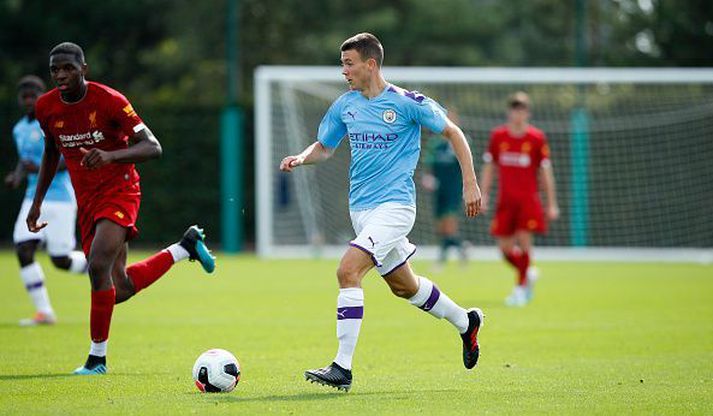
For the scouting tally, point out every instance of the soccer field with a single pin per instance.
(599, 338)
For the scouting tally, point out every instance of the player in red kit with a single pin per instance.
(522, 156)
(100, 136)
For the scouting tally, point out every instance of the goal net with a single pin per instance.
(632, 151)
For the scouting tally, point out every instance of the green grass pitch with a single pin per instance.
(600, 338)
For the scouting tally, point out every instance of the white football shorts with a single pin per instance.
(381, 232)
(58, 235)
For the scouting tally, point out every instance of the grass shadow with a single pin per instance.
(17, 377)
(328, 395)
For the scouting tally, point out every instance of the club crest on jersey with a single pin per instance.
(93, 120)
(389, 116)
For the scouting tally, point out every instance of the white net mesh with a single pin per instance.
(632, 159)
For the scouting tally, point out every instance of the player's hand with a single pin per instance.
(95, 158)
(291, 162)
(553, 212)
(32, 216)
(472, 199)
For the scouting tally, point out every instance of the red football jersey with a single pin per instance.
(103, 119)
(518, 160)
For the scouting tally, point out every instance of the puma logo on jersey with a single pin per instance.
(373, 243)
(353, 115)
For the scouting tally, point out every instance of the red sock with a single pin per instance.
(523, 265)
(512, 257)
(150, 270)
(100, 315)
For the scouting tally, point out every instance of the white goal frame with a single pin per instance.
(264, 188)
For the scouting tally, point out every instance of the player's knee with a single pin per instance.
(61, 262)
(25, 253)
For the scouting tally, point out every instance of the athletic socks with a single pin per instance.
(98, 349)
(350, 311)
(78, 262)
(520, 260)
(145, 272)
(34, 280)
(178, 252)
(430, 299)
(100, 314)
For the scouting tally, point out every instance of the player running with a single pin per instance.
(521, 153)
(100, 136)
(59, 208)
(383, 125)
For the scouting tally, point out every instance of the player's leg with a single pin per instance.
(108, 242)
(139, 276)
(31, 273)
(354, 265)
(33, 278)
(527, 274)
(425, 295)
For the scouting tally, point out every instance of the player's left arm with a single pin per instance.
(471, 191)
(547, 178)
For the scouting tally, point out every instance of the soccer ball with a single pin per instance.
(216, 371)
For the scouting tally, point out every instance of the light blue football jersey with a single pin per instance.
(30, 144)
(384, 133)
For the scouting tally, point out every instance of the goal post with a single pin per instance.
(632, 151)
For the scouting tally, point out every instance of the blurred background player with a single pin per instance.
(521, 154)
(383, 125)
(101, 137)
(59, 208)
(443, 178)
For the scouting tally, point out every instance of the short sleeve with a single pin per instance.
(124, 115)
(491, 153)
(332, 129)
(40, 116)
(544, 153)
(16, 140)
(429, 114)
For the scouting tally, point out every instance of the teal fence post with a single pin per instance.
(579, 155)
(231, 179)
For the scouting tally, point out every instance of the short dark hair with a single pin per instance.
(69, 48)
(519, 99)
(367, 45)
(31, 81)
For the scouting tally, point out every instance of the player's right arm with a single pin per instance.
(487, 173)
(314, 153)
(48, 168)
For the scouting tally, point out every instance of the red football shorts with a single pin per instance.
(522, 214)
(120, 207)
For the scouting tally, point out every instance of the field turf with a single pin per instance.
(600, 338)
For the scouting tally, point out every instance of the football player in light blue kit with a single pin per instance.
(59, 208)
(382, 124)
